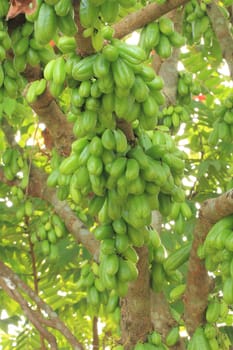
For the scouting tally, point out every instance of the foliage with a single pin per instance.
(132, 152)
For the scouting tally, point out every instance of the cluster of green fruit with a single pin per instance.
(46, 231)
(14, 166)
(98, 296)
(165, 268)
(223, 125)
(185, 87)
(119, 183)
(216, 312)
(11, 82)
(26, 48)
(196, 23)
(114, 82)
(205, 338)
(161, 37)
(217, 251)
(54, 15)
(173, 116)
(217, 339)
(179, 213)
(96, 15)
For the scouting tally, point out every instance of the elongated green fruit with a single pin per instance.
(177, 258)
(45, 24)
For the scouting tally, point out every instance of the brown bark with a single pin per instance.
(198, 281)
(55, 120)
(95, 341)
(223, 33)
(215, 209)
(84, 44)
(135, 307)
(160, 313)
(147, 14)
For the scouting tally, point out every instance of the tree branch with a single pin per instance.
(85, 47)
(11, 283)
(223, 33)
(50, 114)
(95, 336)
(135, 307)
(30, 314)
(147, 14)
(198, 281)
(161, 317)
(215, 209)
(38, 188)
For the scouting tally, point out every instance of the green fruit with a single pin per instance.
(164, 48)
(150, 106)
(131, 254)
(101, 66)
(121, 141)
(154, 238)
(114, 204)
(103, 231)
(173, 336)
(137, 211)
(66, 44)
(66, 24)
(46, 19)
(112, 302)
(69, 165)
(140, 89)
(83, 70)
(59, 71)
(213, 311)
(228, 290)
(108, 139)
(158, 277)
(21, 46)
(127, 271)
(111, 263)
(109, 11)
(177, 258)
(166, 26)
(122, 73)
(121, 243)
(130, 53)
(137, 153)
(132, 169)
(62, 7)
(118, 167)
(176, 39)
(110, 52)
(94, 165)
(152, 35)
(136, 236)
(45, 247)
(88, 13)
(177, 292)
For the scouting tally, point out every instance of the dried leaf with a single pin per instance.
(21, 6)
